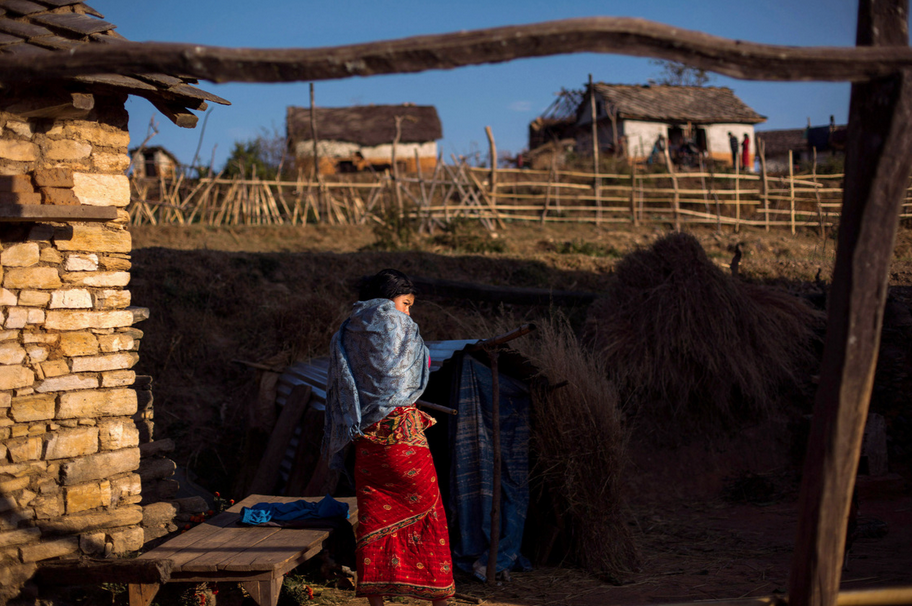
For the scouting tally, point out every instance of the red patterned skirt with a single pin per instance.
(403, 544)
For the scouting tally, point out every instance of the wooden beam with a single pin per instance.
(49, 212)
(878, 161)
(92, 571)
(617, 35)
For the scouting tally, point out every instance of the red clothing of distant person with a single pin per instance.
(746, 154)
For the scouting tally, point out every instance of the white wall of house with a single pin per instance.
(717, 138)
(345, 149)
(641, 136)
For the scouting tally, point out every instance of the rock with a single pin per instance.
(156, 514)
(67, 151)
(92, 238)
(83, 497)
(32, 277)
(55, 368)
(24, 535)
(102, 190)
(127, 540)
(113, 361)
(116, 342)
(53, 177)
(67, 383)
(24, 449)
(128, 515)
(156, 469)
(92, 543)
(25, 254)
(98, 279)
(76, 320)
(156, 448)
(98, 466)
(115, 434)
(7, 298)
(80, 343)
(93, 403)
(33, 408)
(18, 151)
(59, 196)
(110, 163)
(49, 549)
(34, 298)
(192, 504)
(112, 299)
(11, 353)
(71, 443)
(82, 262)
(13, 377)
(118, 378)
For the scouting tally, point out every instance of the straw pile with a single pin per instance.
(579, 443)
(691, 348)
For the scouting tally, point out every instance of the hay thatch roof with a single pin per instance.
(699, 104)
(367, 125)
(779, 142)
(36, 27)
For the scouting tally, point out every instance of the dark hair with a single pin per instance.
(385, 284)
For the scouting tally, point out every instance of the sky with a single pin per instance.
(504, 96)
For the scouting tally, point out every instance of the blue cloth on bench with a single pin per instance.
(262, 513)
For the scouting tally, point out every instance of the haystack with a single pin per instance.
(692, 348)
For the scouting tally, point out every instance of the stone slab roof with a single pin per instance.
(34, 27)
(697, 104)
(367, 125)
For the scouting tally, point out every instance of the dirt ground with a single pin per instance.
(701, 534)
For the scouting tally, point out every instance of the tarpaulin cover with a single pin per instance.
(472, 472)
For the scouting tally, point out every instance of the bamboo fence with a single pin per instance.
(494, 196)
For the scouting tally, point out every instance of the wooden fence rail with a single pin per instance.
(458, 191)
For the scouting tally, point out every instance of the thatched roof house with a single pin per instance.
(827, 141)
(630, 118)
(80, 472)
(353, 138)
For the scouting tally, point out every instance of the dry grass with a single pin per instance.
(690, 347)
(579, 448)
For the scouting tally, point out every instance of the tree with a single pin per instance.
(679, 74)
(264, 155)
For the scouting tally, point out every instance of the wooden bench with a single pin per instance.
(220, 549)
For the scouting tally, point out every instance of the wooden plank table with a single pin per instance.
(220, 549)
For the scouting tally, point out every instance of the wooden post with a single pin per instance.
(737, 197)
(548, 190)
(764, 185)
(495, 489)
(633, 207)
(878, 162)
(817, 197)
(792, 191)
(316, 176)
(396, 169)
(493, 179)
(595, 154)
(674, 183)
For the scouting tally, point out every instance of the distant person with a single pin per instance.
(658, 150)
(746, 163)
(733, 143)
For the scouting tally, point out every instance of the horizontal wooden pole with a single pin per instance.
(616, 35)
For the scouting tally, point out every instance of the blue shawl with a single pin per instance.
(377, 362)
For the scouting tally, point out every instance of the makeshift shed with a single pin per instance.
(461, 379)
(827, 141)
(361, 137)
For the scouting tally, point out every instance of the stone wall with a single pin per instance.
(71, 424)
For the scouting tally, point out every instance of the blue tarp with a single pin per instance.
(472, 472)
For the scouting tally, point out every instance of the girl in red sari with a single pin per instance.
(379, 366)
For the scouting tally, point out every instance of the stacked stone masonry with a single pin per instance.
(73, 474)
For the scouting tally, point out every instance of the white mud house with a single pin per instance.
(630, 118)
(359, 138)
(80, 471)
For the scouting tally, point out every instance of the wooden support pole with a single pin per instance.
(764, 185)
(492, 147)
(878, 162)
(674, 182)
(792, 191)
(737, 197)
(495, 489)
(595, 152)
